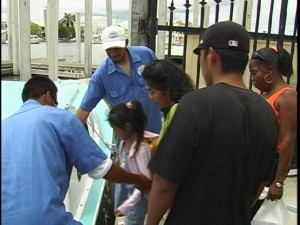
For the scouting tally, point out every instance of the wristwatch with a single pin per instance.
(278, 184)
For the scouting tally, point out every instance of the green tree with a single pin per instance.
(66, 27)
(68, 20)
(65, 32)
(35, 29)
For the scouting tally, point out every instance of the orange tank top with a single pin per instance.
(272, 100)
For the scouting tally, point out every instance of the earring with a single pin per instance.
(268, 78)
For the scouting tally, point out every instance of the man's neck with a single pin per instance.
(231, 79)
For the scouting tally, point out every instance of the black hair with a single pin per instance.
(36, 86)
(233, 61)
(278, 57)
(132, 113)
(165, 75)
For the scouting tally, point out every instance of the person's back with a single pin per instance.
(44, 164)
(40, 145)
(221, 145)
(215, 171)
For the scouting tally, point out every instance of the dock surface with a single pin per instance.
(39, 66)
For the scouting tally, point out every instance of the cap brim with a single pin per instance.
(197, 51)
(114, 44)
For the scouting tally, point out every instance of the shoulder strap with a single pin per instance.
(152, 142)
(272, 99)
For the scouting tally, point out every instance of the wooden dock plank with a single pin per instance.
(39, 66)
(6, 71)
(60, 74)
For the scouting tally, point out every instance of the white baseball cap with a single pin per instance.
(114, 37)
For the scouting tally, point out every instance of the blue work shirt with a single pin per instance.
(112, 84)
(40, 144)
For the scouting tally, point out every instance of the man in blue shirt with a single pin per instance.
(40, 145)
(118, 79)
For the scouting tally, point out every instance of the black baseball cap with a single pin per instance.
(225, 35)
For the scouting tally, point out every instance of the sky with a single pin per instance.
(120, 11)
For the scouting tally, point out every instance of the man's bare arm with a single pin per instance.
(82, 115)
(117, 174)
(161, 199)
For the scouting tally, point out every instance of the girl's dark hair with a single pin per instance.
(36, 86)
(278, 57)
(165, 75)
(132, 113)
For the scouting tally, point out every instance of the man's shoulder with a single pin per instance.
(139, 49)
(141, 54)
(105, 63)
(104, 67)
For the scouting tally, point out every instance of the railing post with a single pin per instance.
(152, 24)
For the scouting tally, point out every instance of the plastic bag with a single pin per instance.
(271, 213)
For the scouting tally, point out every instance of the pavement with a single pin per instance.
(289, 197)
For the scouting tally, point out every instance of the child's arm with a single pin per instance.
(129, 204)
(137, 164)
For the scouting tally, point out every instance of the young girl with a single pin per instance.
(128, 122)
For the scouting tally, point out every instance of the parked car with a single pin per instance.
(34, 39)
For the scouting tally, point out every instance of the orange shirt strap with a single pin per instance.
(272, 99)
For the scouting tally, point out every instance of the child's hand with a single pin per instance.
(118, 213)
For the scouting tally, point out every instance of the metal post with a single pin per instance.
(8, 29)
(152, 24)
(46, 35)
(172, 8)
(138, 11)
(52, 24)
(187, 12)
(161, 36)
(24, 33)
(88, 39)
(15, 36)
(78, 37)
(108, 12)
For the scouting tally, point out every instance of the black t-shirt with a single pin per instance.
(219, 146)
